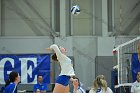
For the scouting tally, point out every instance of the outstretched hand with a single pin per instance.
(49, 50)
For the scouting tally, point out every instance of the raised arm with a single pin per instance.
(56, 50)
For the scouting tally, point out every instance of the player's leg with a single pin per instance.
(59, 88)
(67, 89)
(61, 85)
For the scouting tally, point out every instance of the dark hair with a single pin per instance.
(74, 77)
(54, 57)
(12, 77)
(39, 75)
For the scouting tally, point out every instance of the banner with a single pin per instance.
(28, 66)
(135, 66)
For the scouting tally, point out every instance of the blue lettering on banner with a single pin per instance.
(28, 66)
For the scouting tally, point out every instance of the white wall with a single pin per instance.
(105, 46)
(83, 23)
(27, 18)
(98, 17)
(24, 45)
(126, 16)
(122, 39)
(85, 49)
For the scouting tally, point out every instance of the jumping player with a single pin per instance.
(67, 71)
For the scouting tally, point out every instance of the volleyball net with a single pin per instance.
(122, 55)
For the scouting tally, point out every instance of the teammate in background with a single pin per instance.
(67, 71)
(77, 86)
(100, 85)
(11, 84)
(136, 85)
(40, 87)
(135, 63)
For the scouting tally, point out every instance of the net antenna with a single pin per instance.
(122, 55)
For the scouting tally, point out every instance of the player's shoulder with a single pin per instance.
(134, 83)
(11, 85)
(92, 90)
(109, 90)
(35, 85)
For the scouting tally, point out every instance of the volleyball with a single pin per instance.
(75, 10)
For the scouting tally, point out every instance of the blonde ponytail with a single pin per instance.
(100, 82)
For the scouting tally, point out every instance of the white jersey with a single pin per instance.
(79, 90)
(107, 91)
(135, 87)
(65, 62)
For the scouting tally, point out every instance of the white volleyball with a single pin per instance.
(75, 10)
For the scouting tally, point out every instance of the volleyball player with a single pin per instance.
(12, 82)
(136, 85)
(67, 71)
